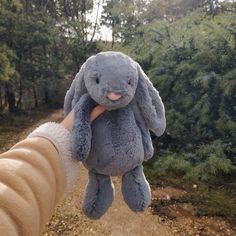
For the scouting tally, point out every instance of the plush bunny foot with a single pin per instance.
(136, 190)
(99, 195)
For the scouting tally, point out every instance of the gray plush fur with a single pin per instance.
(118, 141)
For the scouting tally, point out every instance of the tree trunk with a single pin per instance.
(46, 90)
(96, 23)
(1, 102)
(46, 96)
(36, 104)
(113, 40)
(113, 34)
(19, 102)
(83, 24)
(10, 95)
(5, 100)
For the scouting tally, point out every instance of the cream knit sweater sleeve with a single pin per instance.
(34, 175)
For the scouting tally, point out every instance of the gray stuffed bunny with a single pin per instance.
(118, 141)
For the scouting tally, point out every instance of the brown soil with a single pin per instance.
(164, 217)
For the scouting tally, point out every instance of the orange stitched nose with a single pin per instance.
(113, 96)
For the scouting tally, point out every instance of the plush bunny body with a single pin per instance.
(118, 141)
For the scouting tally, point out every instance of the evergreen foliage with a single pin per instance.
(207, 163)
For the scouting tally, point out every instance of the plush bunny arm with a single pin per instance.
(151, 106)
(81, 131)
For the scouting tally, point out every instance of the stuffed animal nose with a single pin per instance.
(113, 96)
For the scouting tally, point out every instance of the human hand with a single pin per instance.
(68, 121)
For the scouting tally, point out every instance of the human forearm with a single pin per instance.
(32, 183)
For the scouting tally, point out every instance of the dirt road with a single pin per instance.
(68, 218)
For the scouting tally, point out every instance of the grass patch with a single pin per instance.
(213, 202)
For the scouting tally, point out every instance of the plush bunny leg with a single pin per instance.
(136, 190)
(99, 195)
(81, 131)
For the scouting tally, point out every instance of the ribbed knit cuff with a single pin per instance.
(61, 138)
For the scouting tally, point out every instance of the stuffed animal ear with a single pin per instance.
(150, 104)
(77, 89)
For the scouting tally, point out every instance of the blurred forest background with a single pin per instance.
(188, 49)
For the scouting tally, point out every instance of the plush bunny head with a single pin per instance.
(111, 79)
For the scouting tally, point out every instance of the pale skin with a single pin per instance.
(68, 121)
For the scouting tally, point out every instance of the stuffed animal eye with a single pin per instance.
(129, 82)
(97, 80)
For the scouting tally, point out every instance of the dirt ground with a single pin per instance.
(170, 219)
